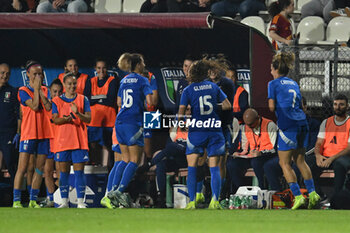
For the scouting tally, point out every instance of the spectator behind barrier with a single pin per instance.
(342, 8)
(244, 7)
(281, 28)
(18, 5)
(61, 6)
(320, 8)
(332, 149)
(189, 5)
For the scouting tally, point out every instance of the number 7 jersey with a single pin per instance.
(286, 94)
(133, 90)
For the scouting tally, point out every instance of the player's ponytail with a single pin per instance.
(276, 7)
(199, 70)
(283, 62)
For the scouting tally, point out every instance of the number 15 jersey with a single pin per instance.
(133, 90)
(286, 94)
(203, 98)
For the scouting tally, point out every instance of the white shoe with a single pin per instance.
(63, 205)
(82, 206)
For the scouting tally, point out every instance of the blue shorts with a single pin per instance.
(129, 134)
(101, 135)
(214, 142)
(51, 155)
(75, 156)
(116, 148)
(38, 146)
(147, 133)
(293, 138)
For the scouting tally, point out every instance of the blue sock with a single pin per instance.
(215, 182)
(161, 177)
(80, 184)
(111, 176)
(17, 194)
(192, 182)
(64, 187)
(128, 174)
(29, 188)
(294, 187)
(34, 194)
(199, 186)
(50, 195)
(118, 174)
(309, 185)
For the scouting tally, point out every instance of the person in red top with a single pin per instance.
(281, 29)
(35, 131)
(71, 112)
(72, 66)
(56, 88)
(102, 93)
(332, 149)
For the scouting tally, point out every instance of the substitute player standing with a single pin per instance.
(71, 112)
(285, 100)
(35, 132)
(205, 99)
(133, 91)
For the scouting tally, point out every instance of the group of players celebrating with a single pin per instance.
(54, 126)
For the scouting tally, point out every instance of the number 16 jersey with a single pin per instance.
(133, 90)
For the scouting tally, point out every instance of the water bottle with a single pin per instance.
(231, 204)
(237, 201)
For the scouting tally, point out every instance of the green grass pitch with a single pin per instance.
(170, 220)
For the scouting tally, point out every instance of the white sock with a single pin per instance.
(64, 200)
(80, 200)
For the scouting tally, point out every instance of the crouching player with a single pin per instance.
(71, 112)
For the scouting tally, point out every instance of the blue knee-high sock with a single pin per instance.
(17, 194)
(29, 188)
(80, 184)
(199, 186)
(161, 177)
(111, 176)
(50, 195)
(34, 194)
(215, 182)
(128, 174)
(309, 185)
(192, 182)
(294, 187)
(64, 187)
(118, 174)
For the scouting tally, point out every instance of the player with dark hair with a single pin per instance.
(205, 99)
(281, 29)
(35, 132)
(285, 100)
(134, 89)
(102, 93)
(71, 65)
(71, 112)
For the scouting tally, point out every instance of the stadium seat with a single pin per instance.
(132, 6)
(311, 89)
(108, 6)
(337, 30)
(255, 22)
(343, 86)
(311, 30)
(300, 4)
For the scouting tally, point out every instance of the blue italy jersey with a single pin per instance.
(286, 94)
(203, 98)
(133, 90)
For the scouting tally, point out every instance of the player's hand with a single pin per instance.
(17, 5)
(255, 153)
(37, 83)
(68, 118)
(319, 160)
(327, 162)
(74, 107)
(15, 140)
(58, 3)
